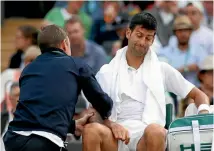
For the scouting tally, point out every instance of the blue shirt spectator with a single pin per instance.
(179, 59)
(184, 56)
(93, 54)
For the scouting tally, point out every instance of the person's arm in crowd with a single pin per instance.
(100, 101)
(189, 68)
(199, 56)
(176, 83)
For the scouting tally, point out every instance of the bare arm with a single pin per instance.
(199, 98)
(94, 93)
(176, 83)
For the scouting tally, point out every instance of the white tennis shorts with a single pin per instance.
(136, 130)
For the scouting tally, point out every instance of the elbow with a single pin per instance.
(109, 104)
(107, 107)
(202, 97)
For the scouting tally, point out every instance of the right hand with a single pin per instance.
(120, 133)
(95, 118)
(80, 123)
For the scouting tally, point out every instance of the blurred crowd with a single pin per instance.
(97, 29)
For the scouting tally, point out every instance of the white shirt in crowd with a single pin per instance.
(203, 37)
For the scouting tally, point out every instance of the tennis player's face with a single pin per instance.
(139, 40)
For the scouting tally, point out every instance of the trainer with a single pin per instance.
(49, 87)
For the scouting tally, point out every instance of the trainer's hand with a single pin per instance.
(81, 122)
(96, 118)
(119, 132)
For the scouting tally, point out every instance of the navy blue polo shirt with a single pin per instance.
(49, 88)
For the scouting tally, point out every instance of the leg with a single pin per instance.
(154, 139)
(97, 137)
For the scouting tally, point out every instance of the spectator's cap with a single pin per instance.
(207, 64)
(197, 4)
(182, 22)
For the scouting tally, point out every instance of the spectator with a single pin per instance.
(102, 31)
(120, 27)
(205, 77)
(59, 16)
(61, 4)
(25, 37)
(93, 54)
(202, 36)
(134, 7)
(7, 116)
(183, 56)
(93, 9)
(208, 17)
(164, 13)
(12, 75)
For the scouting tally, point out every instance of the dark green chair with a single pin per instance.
(169, 115)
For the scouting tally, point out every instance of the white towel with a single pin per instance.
(154, 111)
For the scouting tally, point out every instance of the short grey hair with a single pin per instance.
(51, 36)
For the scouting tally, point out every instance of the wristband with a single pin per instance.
(204, 107)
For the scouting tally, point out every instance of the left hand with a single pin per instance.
(81, 122)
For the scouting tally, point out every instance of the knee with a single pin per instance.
(155, 131)
(92, 130)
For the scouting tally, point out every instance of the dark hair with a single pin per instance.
(74, 19)
(189, 4)
(145, 19)
(30, 32)
(51, 36)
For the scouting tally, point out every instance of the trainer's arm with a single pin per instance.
(76, 126)
(94, 93)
